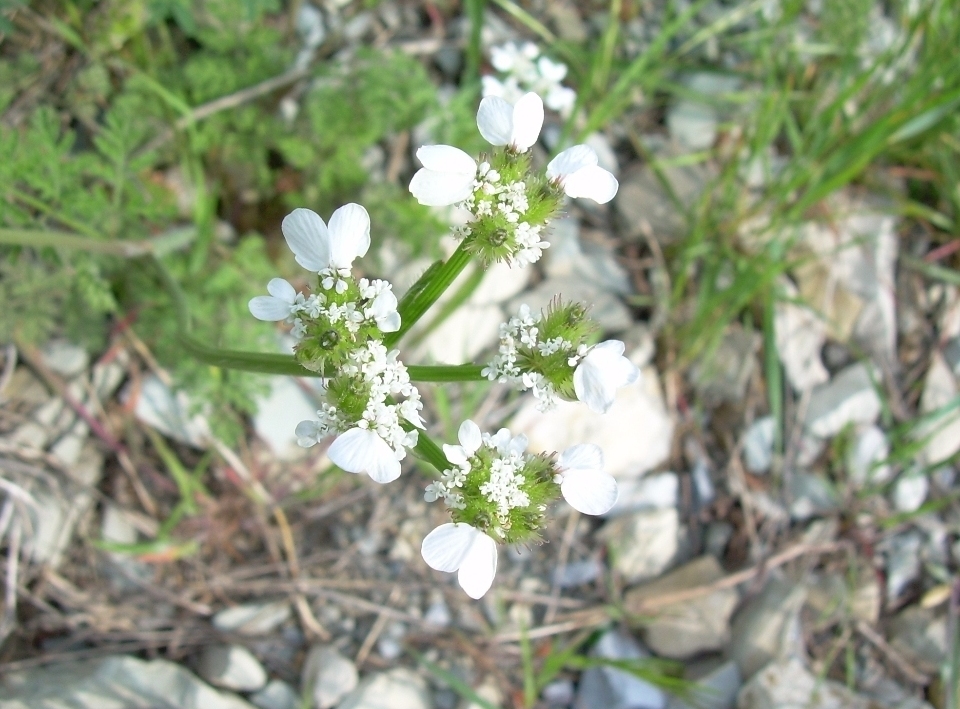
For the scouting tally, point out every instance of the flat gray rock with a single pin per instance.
(612, 688)
(327, 676)
(848, 398)
(646, 543)
(398, 688)
(252, 618)
(789, 685)
(232, 667)
(767, 627)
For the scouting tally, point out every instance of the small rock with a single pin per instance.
(921, 636)
(645, 544)
(489, 692)
(65, 358)
(692, 124)
(558, 693)
(112, 682)
(449, 59)
(651, 492)
(758, 445)
(849, 398)
(642, 202)
(252, 618)
(767, 627)
(116, 526)
(812, 495)
(724, 374)
(276, 695)
(232, 667)
(390, 642)
(577, 573)
(903, 562)
(684, 629)
(613, 688)
(717, 537)
(327, 676)
(594, 263)
(951, 355)
(910, 490)
(866, 456)
(789, 685)
(637, 411)
(800, 334)
(278, 414)
(398, 688)
(158, 407)
(942, 434)
(438, 612)
(716, 690)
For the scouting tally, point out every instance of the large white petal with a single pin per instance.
(307, 237)
(266, 307)
(609, 356)
(362, 451)
(279, 288)
(592, 182)
(446, 158)
(518, 444)
(445, 548)
(455, 454)
(438, 189)
(591, 492)
(470, 437)
(592, 387)
(527, 121)
(478, 567)
(583, 455)
(385, 312)
(495, 120)
(571, 160)
(349, 235)
(389, 322)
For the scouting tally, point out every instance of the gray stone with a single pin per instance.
(65, 358)
(252, 618)
(920, 634)
(168, 412)
(231, 667)
(646, 543)
(789, 685)
(942, 433)
(717, 537)
(594, 263)
(903, 562)
(723, 375)
(758, 445)
(799, 333)
(693, 124)
(811, 495)
(715, 690)
(577, 573)
(642, 202)
(115, 682)
(327, 676)
(655, 491)
(438, 612)
(682, 630)
(278, 414)
(390, 642)
(848, 398)
(449, 59)
(276, 695)
(910, 490)
(398, 688)
(606, 308)
(866, 456)
(613, 688)
(559, 693)
(767, 627)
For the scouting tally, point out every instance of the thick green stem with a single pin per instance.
(430, 452)
(426, 291)
(446, 373)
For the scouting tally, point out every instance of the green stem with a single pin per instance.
(471, 71)
(446, 373)
(425, 292)
(428, 451)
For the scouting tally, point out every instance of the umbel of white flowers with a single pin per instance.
(525, 69)
(496, 492)
(342, 313)
(549, 355)
(511, 203)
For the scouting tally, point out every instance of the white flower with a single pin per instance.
(361, 450)
(577, 171)
(600, 373)
(282, 303)
(470, 440)
(384, 311)
(448, 174)
(584, 484)
(318, 247)
(466, 550)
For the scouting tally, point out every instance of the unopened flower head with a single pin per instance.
(510, 202)
(548, 354)
(524, 69)
(497, 492)
(343, 312)
(374, 428)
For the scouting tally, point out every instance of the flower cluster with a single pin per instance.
(549, 355)
(360, 406)
(526, 70)
(342, 313)
(510, 202)
(496, 492)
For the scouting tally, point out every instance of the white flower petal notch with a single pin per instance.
(577, 171)
(470, 441)
(349, 235)
(601, 372)
(517, 126)
(584, 484)
(306, 235)
(360, 450)
(447, 176)
(465, 549)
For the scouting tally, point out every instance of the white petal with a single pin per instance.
(596, 378)
(478, 567)
(349, 235)
(266, 307)
(446, 546)
(362, 451)
(470, 437)
(389, 322)
(438, 189)
(307, 237)
(571, 160)
(279, 288)
(518, 444)
(527, 121)
(455, 454)
(591, 492)
(587, 456)
(385, 312)
(591, 182)
(446, 158)
(495, 120)
(549, 69)
(620, 369)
